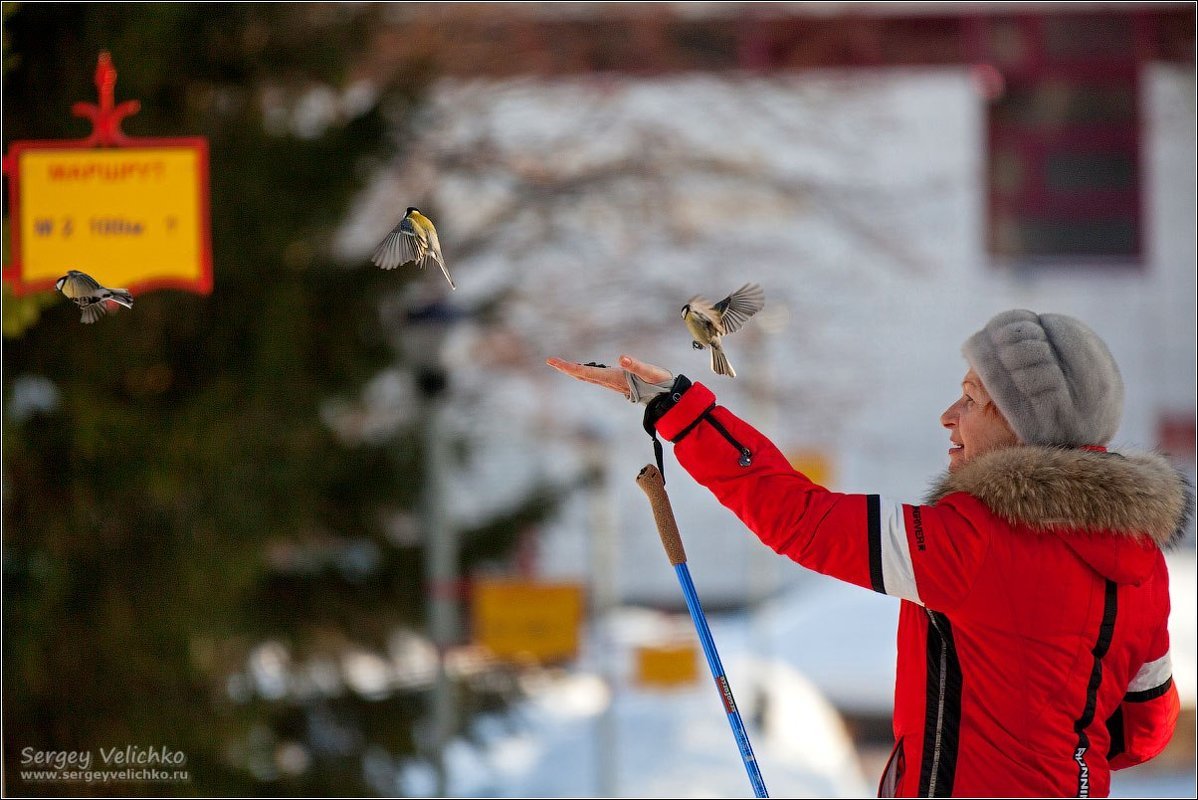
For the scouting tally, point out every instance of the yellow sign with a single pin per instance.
(667, 665)
(525, 620)
(133, 217)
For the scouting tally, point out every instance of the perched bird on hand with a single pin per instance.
(413, 241)
(90, 296)
(708, 323)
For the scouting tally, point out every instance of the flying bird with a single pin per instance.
(413, 241)
(90, 296)
(709, 323)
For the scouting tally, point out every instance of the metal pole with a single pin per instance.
(441, 570)
(604, 555)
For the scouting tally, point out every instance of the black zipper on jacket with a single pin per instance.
(942, 711)
(1106, 632)
(746, 455)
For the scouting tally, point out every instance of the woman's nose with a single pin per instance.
(949, 418)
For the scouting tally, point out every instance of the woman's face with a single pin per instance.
(975, 424)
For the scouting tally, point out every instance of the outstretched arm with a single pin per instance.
(925, 554)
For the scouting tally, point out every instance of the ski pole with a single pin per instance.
(654, 486)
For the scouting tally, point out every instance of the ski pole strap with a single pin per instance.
(657, 408)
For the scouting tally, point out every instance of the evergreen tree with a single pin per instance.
(175, 503)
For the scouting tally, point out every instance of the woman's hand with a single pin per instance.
(612, 377)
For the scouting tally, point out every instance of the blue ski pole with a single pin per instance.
(654, 487)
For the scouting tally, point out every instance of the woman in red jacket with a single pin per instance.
(1033, 649)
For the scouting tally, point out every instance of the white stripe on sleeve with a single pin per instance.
(897, 569)
(1152, 674)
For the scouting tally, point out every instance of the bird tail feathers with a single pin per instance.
(719, 362)
(122, 297)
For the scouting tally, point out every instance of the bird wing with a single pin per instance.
(403, 245)
(735, 309)
(93, 309)
(78, 284)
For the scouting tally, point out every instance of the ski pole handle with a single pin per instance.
(654, 486)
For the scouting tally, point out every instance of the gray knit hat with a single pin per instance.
(1052, 378)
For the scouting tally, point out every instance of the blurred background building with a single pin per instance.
(892, 174)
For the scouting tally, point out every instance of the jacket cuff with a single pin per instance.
(686, 410)
(658, 405)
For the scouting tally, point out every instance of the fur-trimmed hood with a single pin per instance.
(1086, 497)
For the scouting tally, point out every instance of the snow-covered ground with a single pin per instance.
(673, 742)
(791, 665)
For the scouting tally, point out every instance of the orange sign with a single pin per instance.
(526, 620)
(667, 665)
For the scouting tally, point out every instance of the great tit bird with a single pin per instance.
(708, 323)
(90, 296)
(413, 241)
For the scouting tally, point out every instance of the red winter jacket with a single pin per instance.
(1033, 653)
